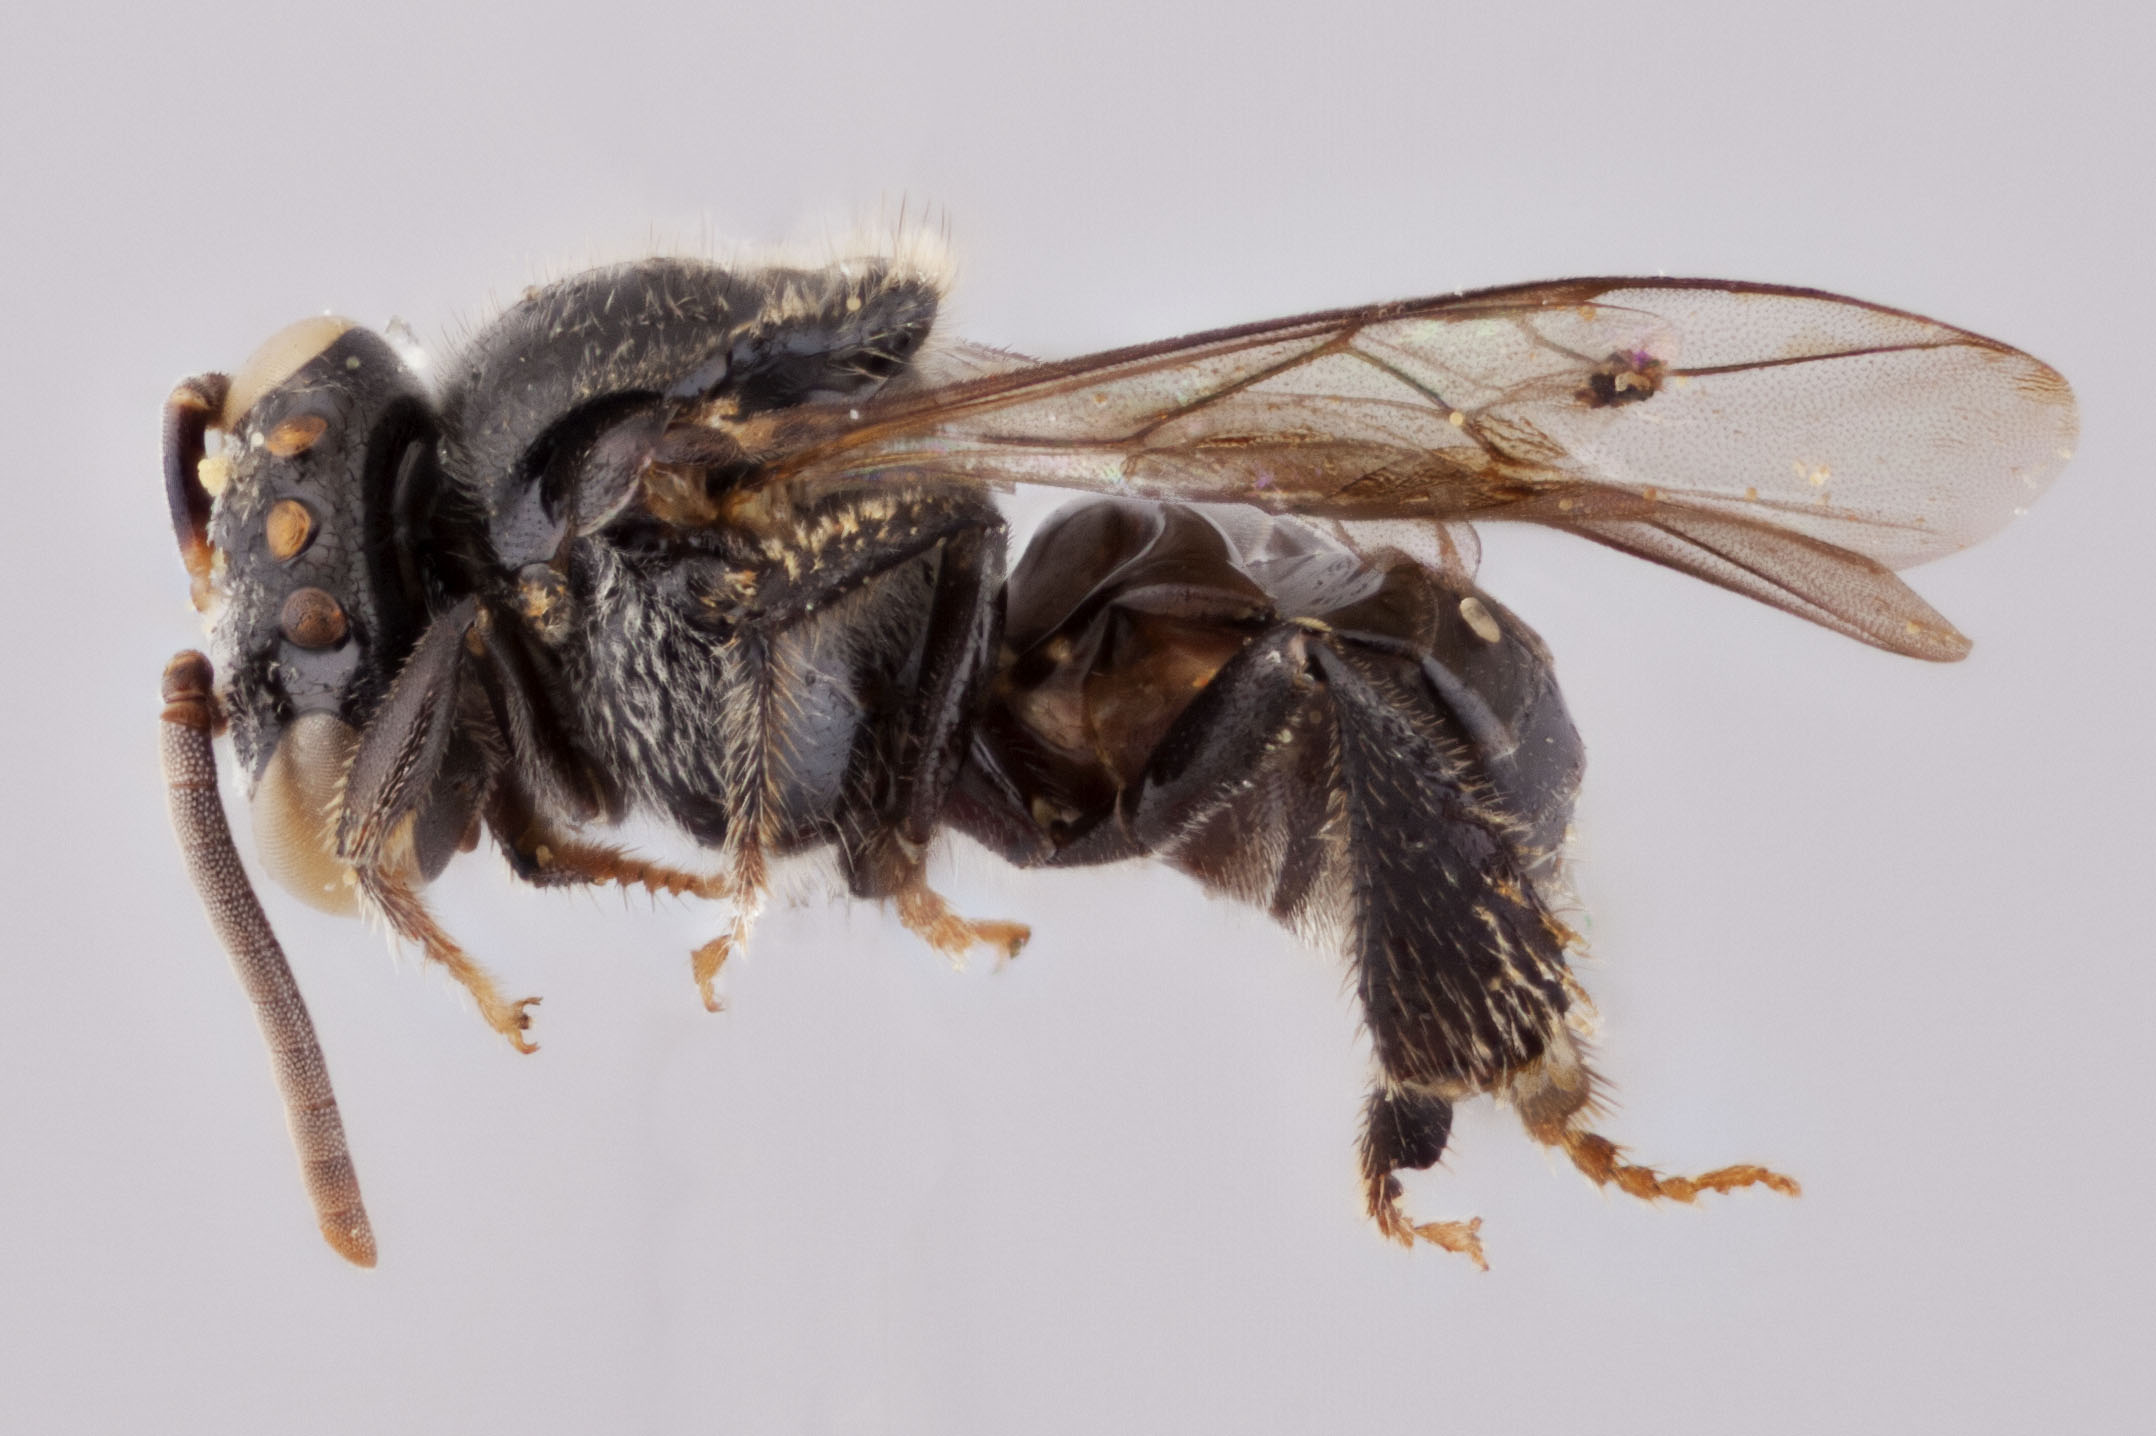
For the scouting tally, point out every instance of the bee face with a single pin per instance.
(313, 587)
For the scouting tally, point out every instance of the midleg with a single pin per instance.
(898, 796)
(544, 857)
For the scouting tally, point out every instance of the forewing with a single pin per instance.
(1791, 445)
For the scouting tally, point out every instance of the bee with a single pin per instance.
(720, 547)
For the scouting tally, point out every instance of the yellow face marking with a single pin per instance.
(296, 436)
(213, 473)
(294, 810)
(288, 529)
(279, 358)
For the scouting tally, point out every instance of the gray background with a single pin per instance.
(1875, 921)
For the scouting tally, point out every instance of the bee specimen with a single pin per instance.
(720, 548)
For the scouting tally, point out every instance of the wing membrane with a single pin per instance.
(1791, 445)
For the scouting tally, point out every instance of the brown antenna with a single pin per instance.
(198, 816)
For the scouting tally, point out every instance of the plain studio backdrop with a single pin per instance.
(1874, 921)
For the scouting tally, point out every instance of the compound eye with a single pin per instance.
(295, 812)
(280, 357)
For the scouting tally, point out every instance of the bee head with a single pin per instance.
(299, 533)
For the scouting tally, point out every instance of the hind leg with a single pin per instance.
(1555, 1098)
(1405, 1130)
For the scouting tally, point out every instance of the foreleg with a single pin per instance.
(415, 772)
